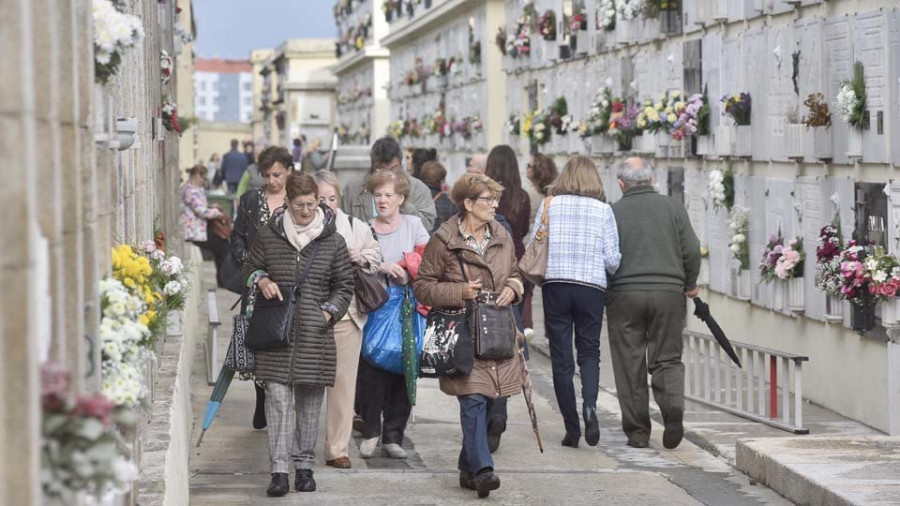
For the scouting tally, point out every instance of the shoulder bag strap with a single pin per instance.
(545, 219)
(312, 256)
(437, 196)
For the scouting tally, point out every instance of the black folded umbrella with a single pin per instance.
(701, 310)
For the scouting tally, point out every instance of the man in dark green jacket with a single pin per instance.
(660, 263)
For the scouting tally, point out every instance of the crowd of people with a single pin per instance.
(300, 233)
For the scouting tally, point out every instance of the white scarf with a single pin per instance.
(300, 236)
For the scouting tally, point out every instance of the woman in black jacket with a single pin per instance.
(254, 211)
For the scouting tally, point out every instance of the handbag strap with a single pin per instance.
(545, 219)
(462, 266)
(302, 277)
(437, 196)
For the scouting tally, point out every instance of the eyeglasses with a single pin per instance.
(309, 206)
(488, 200)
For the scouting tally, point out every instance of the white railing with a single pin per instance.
(711, 378)
(212, 340)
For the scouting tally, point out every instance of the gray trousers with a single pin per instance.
(645, 329)
(292, 414)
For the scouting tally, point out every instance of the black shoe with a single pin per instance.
(486, 481)
(638, 444)
(303, 481)
(591, 426)
(674, 428)
(358, 424)
(466, 481)
(495, 430)
(259, 416)
(571, 441)
(279, 485)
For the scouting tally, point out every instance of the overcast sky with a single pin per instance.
(231, 28)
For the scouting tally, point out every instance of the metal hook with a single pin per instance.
(91, 344)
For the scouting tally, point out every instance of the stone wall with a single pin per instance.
(67, 196)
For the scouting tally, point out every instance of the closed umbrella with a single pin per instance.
(701, 310)
(410, 350)
(215, 400)
(528, 393)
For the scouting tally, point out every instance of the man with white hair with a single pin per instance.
(477, 164)
(646, 308)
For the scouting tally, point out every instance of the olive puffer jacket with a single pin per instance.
(311, 358)
(440, 283)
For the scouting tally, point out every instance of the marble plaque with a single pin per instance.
(870, 48)
(838, 52)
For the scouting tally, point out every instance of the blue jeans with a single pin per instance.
(475, 454)
(570, 308)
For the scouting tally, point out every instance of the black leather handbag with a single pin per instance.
(493, 327)
(448, 348)
(370, 294)
(273, 319)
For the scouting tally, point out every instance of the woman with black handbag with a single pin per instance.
(307, 266)
(254, 211)
(365, 256)
(471, 257)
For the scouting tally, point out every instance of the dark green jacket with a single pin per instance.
(312, 356)
(659, 248)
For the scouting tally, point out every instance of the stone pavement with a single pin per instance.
(231, 467)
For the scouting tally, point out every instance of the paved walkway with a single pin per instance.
(231, 467)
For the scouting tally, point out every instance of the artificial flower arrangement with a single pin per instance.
(721, 188)
(578, 21)
(623, 121)
(738, 108)
(547, 25)
(884, 270)
(828, 259)
(169, 275)
(559, 118)
(114, 32)
(855, 277)
(790, 264)
(80, 451)
(388, 7)
(398, 129)
(740, 226)
(165, 67)
(513, 124)
(124, 342)
(414, 128)
(600, 112)
(850, 103)
(606, 15)
(770, 257)
(627, 10)
(170, 117)
(536, 126)
(819, 115)
(475, 52)
(691, 118)
(518, 43)
(343, 132)
(442, 66)
(660, 116)
(584, 129)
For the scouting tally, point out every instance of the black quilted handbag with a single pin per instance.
(494, 327)
(272, 320)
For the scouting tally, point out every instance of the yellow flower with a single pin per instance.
(737, 98)
(144, 320)
(672, 118)
(679, 106)
(129, 282)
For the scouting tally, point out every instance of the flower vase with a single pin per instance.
(626, 31)
(743, 145)
(854, 148)
(705, 145)
(744, 284)
(834, 309)
(796, 301)
(776, 294)
(793, 141)
(663, 141)
(605, 145)
(890, 313)
(724, 140)
(821, 142)
(648, 143)
(427, 4)
(703, 276)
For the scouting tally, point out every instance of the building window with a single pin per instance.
(248, 86)
(201, 100)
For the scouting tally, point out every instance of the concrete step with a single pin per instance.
(825, 470)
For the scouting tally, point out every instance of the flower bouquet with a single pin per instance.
(513, 124)
(828, 270)
(789, 269)
(818, 124)
(622, 123)
(770, 257)
(114, 32)
(850, 106)
(170, 117)
(547, 25)
(855, 277)
(721, 188)
(740, 249)
(735, 140)
(884, 270)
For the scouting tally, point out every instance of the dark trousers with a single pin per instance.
(569, 306)
(232, 187)
(384, 395)
(219, 248)
(645, 329)
(475, 454)
(527, 297)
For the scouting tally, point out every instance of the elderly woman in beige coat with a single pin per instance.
(488, 254)
(365, 256)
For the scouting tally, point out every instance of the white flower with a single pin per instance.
(606, 14)
(629, 9)
(739, 238)
(172, 288)
(735, 248)
(846, 102)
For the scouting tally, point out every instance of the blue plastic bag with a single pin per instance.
(383, 333)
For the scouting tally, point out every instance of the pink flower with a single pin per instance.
(94, 406)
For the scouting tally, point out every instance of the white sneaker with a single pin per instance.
(529, 334)
(394, 451)
(367, 448)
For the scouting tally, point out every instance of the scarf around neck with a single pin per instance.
(299, 236)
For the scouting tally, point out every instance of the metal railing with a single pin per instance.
(711, 378)
(212, 340)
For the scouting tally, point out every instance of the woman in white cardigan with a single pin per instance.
(366, 256)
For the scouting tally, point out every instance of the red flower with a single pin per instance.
(618, 106)
(94, 406)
